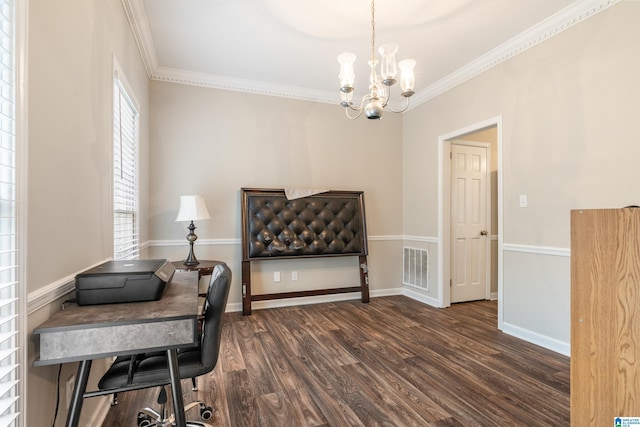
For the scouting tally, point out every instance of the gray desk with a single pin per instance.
(84, 333)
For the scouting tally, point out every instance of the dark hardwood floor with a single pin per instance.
(392, 362)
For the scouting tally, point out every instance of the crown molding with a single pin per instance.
(174, 75)
(137, 17)
(555, 24)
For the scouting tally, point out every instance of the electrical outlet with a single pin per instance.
(276, 276)
(69, 389)
(294, 275)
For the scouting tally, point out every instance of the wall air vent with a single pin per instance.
(416, 268)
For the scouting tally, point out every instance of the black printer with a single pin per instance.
(123, 281)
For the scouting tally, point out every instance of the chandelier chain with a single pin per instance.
(373, 31)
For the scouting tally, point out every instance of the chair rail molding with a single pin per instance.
(538, 250)
(51, 292)
(234, 241)
(201, 242)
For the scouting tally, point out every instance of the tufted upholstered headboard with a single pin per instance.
(331, 223)
(326, 224)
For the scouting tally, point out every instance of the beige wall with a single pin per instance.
(569, 114)
(568, 108)
(214, 142)
(70, 91)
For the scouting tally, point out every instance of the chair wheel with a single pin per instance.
(144, 420)
(206, 412)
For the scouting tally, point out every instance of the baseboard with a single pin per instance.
(516, 331)
(537, 339)
(419, 296)
(290, 302)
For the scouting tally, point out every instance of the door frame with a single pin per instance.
(487, 242)
(444, 210)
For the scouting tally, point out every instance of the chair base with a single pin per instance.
(149, 417)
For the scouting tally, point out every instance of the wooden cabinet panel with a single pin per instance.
(605, 315)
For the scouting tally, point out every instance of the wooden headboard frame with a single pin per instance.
(327, 224)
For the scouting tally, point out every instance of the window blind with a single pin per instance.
(9, 374)
(125, 173)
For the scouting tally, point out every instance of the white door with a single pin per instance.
(468, 223)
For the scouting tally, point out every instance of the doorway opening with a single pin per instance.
(459, 254)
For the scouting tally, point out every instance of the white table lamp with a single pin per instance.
(192, 208)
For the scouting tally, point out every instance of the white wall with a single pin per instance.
(570, 140)
(70, 85)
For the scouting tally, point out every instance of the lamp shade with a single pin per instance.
(192, 208)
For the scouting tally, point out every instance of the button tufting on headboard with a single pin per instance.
(331, 223)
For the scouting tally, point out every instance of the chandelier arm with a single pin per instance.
(363, 102)
(403, 109)
(385, 98)
(359, 109)
(346, 110)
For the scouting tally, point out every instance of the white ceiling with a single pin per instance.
(289, 47)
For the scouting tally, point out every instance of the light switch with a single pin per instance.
(276, 276)
(523, 200)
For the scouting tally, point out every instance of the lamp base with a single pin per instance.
(191, 237)
(191, 262)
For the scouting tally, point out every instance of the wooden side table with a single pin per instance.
(205, 268)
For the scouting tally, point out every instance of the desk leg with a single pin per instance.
(176, 388)
(82, 377)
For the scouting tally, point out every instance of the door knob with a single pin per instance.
(483, 233)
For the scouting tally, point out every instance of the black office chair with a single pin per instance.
(152, 369)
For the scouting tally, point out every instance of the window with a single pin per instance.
(125, 174)
(10, 369)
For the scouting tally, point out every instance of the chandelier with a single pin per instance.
(377, 100)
